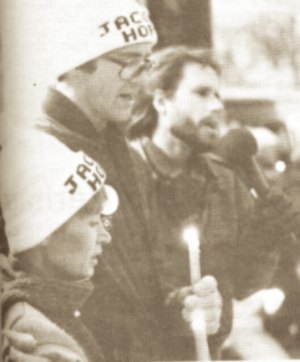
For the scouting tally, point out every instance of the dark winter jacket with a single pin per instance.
(237, 250)
(125, 311)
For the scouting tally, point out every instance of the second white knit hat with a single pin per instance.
(43, 184)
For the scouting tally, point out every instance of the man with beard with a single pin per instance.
(176, 123)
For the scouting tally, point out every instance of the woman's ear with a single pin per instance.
(159, 101)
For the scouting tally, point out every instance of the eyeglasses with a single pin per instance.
(107, 222)
(131, 68)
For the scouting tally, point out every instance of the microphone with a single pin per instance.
(239, 147)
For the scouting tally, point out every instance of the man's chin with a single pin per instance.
(121, 120)
(196, 142)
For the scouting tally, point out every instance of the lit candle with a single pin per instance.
(191, 237)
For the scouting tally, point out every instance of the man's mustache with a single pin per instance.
(212, 121)
(190, 133)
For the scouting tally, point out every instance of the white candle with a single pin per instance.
(199, 330)
(191, 237)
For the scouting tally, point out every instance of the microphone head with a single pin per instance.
(237, 146)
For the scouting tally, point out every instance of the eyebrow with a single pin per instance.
(133, 54)
(206, 88)
(92, 211)
(202, 88)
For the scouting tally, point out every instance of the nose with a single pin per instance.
(104, 236)
(216, 105)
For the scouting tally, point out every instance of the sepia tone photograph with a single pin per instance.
(150, 180)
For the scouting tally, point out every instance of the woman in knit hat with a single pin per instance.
(55, 205)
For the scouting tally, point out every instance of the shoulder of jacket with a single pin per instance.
(219, 167)
(137, 148)
(14, 313)
(139, 158)
(228, 175)
(217, 160)
(23, 317)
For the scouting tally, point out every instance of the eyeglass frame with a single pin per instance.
(141, 67)
(107, 221)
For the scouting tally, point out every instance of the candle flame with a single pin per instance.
(191, 234)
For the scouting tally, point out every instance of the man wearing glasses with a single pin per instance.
(98, 65)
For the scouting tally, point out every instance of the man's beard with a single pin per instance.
(199, 138)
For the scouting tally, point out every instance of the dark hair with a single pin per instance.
(165, 75)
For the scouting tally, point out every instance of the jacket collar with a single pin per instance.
(162, 166)
(64, 111)
(44, 294)
(197, 166)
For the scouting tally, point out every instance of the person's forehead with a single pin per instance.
(196, 75)
(94, 206)
(134, 50)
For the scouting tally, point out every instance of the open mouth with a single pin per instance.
(209, 122)
(95, 258)
(127, 97)
(94, 261)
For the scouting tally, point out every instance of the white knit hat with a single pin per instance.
(42, 39)
(59, 35)
(43, 184)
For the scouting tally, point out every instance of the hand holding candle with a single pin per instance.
(202, 309)
(197, 307)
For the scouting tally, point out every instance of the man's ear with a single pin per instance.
(159, 101)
